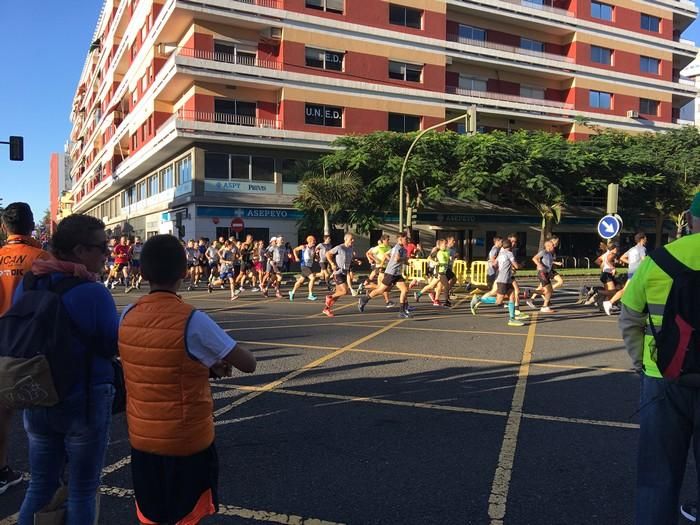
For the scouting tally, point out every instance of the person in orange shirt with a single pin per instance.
(16, 258)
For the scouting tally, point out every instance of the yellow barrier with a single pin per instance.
(416, 269)
(478, 273)
(459, 268)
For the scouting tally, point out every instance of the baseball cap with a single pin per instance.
(695, 206)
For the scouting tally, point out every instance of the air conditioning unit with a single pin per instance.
(272, 33)
(632, 113)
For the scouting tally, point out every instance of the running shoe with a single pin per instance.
(607, 306)
(278, 295)
(329, 301)
(353, 292)
(689, 511)
(8, 478)
(531, 303)
(547, 310)
(360, 288)
(327, 311)
(404, 314)
(390, 304)
(515, 322)
(241, 290)
(409, 308)
(113, 286)
(437, 303)
(448, 304)
(592, 298)
(582, 293)
(210, 288)
(128, 289)
(189, 288)
(255, 289)
(311, 297)
(417, 296)
(432, 296)
(291, 296)
(521, 316)
(362, 302)
(474, 304)
(234, 297)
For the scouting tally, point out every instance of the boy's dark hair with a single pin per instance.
(497, 238)
(163, 261)
(72, 231)
(18, 219)
(639, 237)
(507, 244)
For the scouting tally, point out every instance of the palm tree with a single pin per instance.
(328, 193)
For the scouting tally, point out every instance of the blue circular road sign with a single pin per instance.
(609, 226)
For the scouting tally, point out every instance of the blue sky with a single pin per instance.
(41, 56)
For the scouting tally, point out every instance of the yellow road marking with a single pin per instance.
(506, 459)
(321, 314)
(309, 366)
(239, 304)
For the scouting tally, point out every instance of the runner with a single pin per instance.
(392, 276)
(121, 264)
(504, 282)
(491, 272)
(226, 272)
(633, 258)
(544, 261)
(340, 259)
(449, 274)
(212, 255)
(277, 261)
(377, 257)
(246, 256)
(305, 254)
(135, 254)
(321, 251)
(607, 274)
(191, 253)
(439, 259)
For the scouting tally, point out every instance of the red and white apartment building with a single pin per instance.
(193, 111)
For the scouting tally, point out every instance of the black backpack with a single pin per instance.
(678, 340)
(37, 368)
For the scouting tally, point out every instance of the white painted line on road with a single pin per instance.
(506, 459)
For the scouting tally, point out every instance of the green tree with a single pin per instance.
(328, 193)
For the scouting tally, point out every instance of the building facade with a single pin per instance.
(60, 196)
(192, 113)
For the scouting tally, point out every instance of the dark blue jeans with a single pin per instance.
(61, 434)
(669, 418)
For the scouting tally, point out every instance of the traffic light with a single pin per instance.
(411, 216)
(471, 120)
(16, 148)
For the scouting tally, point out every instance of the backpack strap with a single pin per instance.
(668, 263)
(66, 284)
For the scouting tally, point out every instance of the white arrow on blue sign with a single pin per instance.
(609, 226)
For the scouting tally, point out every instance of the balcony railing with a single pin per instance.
(228, 58)
(536, 5)
(509, 49)
(275, 4)
(508, 98)
(228, 119)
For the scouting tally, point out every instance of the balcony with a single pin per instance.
(228, 119)
(535, 5)
(509, 49)
(275, 4)
(509, 98)
(227, 58)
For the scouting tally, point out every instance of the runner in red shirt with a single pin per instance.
(121, 261)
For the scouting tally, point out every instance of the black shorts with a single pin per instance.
(505, 288)
(341, 278)
(191, 264)
(390, 280)
(118, 267)
(545, 277)
(136, 263)
(606, 277)
(449, 274)
(306, 271)
(490, 279)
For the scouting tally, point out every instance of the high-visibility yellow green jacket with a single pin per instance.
(646, 295)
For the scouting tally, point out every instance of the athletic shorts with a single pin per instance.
(306, 271)
(505, 288)
(136, 263)
(449, 274)
(213, 265)
(191, 264)
(228, 274)
(606, 277)
(545, 277)
(324, 265)
(391, 280)
(120, 266)
(258, 266)
(236, 270)
(490, 279)
(341, 277)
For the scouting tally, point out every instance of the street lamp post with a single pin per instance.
(470, 119)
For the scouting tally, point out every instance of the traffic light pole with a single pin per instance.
(469, 117)
(16, 147)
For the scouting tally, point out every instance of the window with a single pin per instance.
(405, 16)
(649, 65)
(263, 169)
(168, 177)
(402, 71)
(601, 11)
(601, 55)
(289, 170)
(231, 53)
(333, 6)
(600, 99)
(184, 170)
(215, 165)
(235, 112)
(648, 107)
(472, 33)
(532, 92)
(153, 185)
(332, 60)
(141, 191)
(531, 45)
(324, 115)
(240, 167)
(472, 84)
(650, 23)
(403, 123)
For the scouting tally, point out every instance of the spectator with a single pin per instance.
(670, 410)
(76, 430)
(23, 250)
(169, 350)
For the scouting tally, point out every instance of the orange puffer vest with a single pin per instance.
(169, 404)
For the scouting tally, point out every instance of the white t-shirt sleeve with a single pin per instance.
(206, 341)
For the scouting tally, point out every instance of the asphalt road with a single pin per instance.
(444, 418)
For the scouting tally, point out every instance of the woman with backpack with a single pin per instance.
(73, 434)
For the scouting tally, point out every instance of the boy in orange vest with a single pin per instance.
(168, 350)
